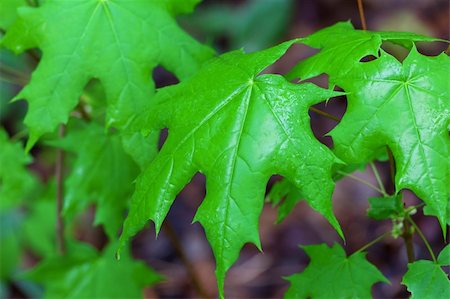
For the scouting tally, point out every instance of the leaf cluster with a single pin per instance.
(231, 118)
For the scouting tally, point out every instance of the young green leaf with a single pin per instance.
(426, 279)
(385, 207)
(238, 129)
(85, 273)
(406, 107)
(118, 42)
(331, 274)
(341, 47)
(103, 173)
(285, 195)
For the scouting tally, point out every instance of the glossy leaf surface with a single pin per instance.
(406, 107)
(331, 274)
(118, 42)
(341, 46)
(238, 129)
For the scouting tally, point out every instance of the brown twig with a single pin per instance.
(59, 174)
(407, 237)
(422, 236)
(326, 114)
(361, 15)
(172, 235)
(391, 164)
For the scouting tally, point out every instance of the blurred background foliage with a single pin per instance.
(98, 169)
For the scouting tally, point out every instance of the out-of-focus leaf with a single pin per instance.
(102, 173)
(253, 25)
(10, 247)
(38, 228)
(85, 273)
(118, 42)
(16, 181)
(331, 274)
(385, 207)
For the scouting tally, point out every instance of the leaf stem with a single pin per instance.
(362, 181)
(19, 135)
(172, 235)
(326, 114)
(378, 178)
(373, 242)
(422, 236)
(361, 15)
(59, 174)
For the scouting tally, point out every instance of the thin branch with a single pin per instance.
(378, 178)
(361, 15)
(326, 114)
(19, 135)
(407, 237)
(59, 174)
(422, 236)
(391, 164)
(13, 73)
(14, 81)
(172, 235)
(362, 181)
(373, 242)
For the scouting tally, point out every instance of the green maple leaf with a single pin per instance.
(341, 46)
(331, 274)
(85, 273)
(285, 195)
(16, 181)
(8, 12)
(406, 107)
(426, 279)
(118, 42)
(238, 129)
(102, 173)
